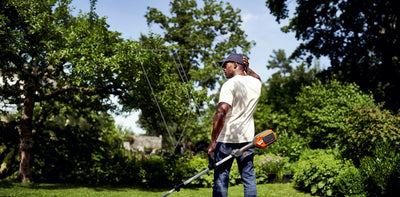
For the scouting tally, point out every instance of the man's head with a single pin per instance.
(233, 65)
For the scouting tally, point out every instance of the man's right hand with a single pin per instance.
(246, 62)
(248, 70)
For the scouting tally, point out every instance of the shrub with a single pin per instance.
(287, 145)
(265, 166)
(382, 171)
(366, 127)
(349, 182)
(322, 109)
(189, 165)
(154, 172)
(270, 164)
(234, 176)
(317, 172)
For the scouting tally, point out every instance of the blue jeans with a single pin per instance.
(245, 165)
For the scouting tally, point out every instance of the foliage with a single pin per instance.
(201, 33)
(381, 170)
(276, 105)
(8, 149)
(285, 84)
(268, 165)
(350, 182)
(153, 172)
(288, 146)
(52, 50)
(361, 38)
(323, 109)
(317, 171)
(74, 145)
(276, 108)
(365, 128)
(197, 28)
(47, 53)
(190, 165)
(170, 99)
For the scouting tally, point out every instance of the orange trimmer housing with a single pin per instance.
(264, 139)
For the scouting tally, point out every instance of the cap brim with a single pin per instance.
(221, 62)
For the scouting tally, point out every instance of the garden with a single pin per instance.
(64, 75)
(321, 160)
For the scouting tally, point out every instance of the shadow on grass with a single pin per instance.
(61, 186)
(6, 184)
(57, 186)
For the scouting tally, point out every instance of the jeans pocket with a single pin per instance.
(225, 148)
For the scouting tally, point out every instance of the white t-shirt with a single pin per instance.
(242, 94)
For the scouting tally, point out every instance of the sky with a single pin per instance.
(127, 17)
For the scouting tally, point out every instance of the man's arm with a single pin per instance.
(218, 123)
(248, 70)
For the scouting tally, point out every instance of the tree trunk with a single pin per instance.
(26, 141)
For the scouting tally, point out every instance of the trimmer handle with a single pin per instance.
(211, 161)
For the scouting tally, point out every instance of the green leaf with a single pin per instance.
(314, 189)
(321, 184)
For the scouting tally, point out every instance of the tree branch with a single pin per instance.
(61, 91)
(85, 90)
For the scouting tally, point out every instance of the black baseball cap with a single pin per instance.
(232, 58)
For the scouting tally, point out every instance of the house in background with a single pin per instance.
(147, 144)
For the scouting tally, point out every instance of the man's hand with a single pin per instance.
(246, 62)
(248, 70)
(211, 147)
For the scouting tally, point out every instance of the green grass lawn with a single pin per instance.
(20, 190)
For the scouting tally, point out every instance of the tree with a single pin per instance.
(286, 83)
(278, 95)
(201, 34)
(164, 99)
(280, 61)
(361, 38)
(48, 54)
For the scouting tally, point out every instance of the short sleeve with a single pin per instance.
(226, 93)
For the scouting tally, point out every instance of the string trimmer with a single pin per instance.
(261, 140)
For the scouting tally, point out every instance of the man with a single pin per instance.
(233, 125)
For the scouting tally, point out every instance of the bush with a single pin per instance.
(366, 127)
(322, 109)
(349, 182)
(382, 171)
(154, 172)
(317, 171)
(189, 165)
(267, 165)
(287, 145)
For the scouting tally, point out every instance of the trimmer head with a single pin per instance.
(264, 139)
